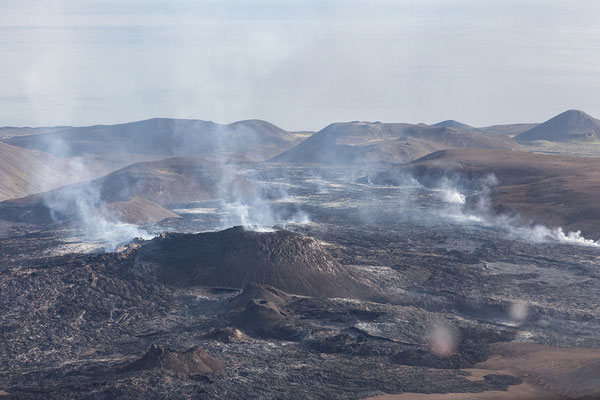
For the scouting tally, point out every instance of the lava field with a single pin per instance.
(359, 290)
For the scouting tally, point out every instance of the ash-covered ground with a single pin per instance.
(442, 286)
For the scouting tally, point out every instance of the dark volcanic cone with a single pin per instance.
(192, 361)
(235, 257)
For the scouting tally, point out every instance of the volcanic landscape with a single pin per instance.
(190, 259)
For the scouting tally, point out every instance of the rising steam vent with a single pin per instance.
(235, 257)
(191, 361)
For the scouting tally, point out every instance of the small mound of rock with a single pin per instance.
(266, 319)
(342, 343)
(227, 335)
(190, 362)
(261, 292)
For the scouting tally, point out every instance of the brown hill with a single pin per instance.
(138, 211)
(173, 180)
(570, 126)
(235, 257)
(266, 319)
(356, 142)
(24, 172)
(548, 373)
(555, 190)
(252, 139)
(134, 194)
(260, 310)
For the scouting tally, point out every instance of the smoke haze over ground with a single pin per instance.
(479, 211)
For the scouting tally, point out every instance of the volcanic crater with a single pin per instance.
(235, 257)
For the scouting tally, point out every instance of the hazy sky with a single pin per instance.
(299, 64)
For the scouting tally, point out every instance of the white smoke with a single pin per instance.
(481, 213)
(448, 192)
(253, 211)
(453, 196)
(257, 214)
(82, 205)
(539, 233)
(250, 217)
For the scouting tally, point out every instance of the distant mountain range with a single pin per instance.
(356, 142)
(36, 160)
(245, 140)
(506, 129)
(572, 126)
(7, 132)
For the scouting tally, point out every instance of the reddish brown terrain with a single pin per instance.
(555, 190)
(547, 373)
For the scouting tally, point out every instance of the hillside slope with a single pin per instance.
(24, 172)
(555, 190)
(134, 194)
(251, 139)
(357, 142)
(570, 126)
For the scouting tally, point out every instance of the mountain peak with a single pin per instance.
(569, 126)
(450, 123)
